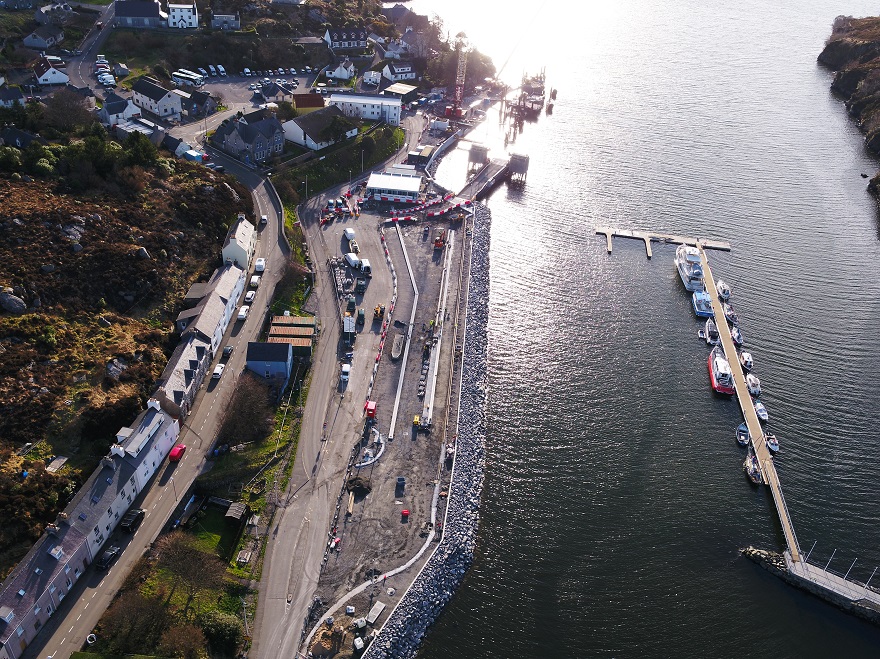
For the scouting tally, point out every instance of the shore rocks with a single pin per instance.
(420, 606)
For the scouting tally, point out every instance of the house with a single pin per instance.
(199, 104)
(56, 13)
(368, 107)
(250, 139)
(319, 129)
(272, 361)
(35, 589)
(372, 77)
(20, 139)
(45, 36)
(139, 13)
(148, 94)
(346, 37)
(345, 71)
(175, 145)
(395, 72)
(240, 243)
(46, 73)
(394, 50)
(395, 14)
(226, 21)
(9, 96)
(307, 101)
(86, 93)
(210, 317)
(183, 16)
(274, 90)
(117, 110)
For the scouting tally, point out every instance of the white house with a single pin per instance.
(217, 302)
(345, 71)
(34, 590)
(46, 73)
(395, 72)
(368, 107)
(372, 77)
(117, 110)
(311, 130)
(346, 37)
(241, 241)
(149, 95)
(183, 16)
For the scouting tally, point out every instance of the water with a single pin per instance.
(615, 504)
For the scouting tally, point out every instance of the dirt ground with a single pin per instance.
(377, 537)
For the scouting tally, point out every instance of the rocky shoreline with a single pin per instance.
(432, 589)
(853, 52)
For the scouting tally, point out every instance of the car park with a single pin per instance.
(218, 371)
(132, 519)
(109, 557)
(243, 312)
(176, 453)
(249, 296)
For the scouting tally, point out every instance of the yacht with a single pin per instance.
(772, 443)
(719, 372)
(702, 304)
(746, 361)
(687, 260)
(742, 434)
(723, 290)
(754, 384)
(711, 333)
(737, 335)
(730, 314)
(761, 411)
(751, 467)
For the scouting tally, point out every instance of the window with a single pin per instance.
(96, 531)
(19, 631)
(52, 588)
(37, 625)
(109, 511)
(37, 610)
(67, 569)
(61, 592)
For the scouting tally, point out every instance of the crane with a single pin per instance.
(462, 49)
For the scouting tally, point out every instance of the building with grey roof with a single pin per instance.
(240, 243)
(250, 141)
(139, 13)
(320, 129)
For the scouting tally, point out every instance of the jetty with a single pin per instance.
(846, 593)
(649, 236)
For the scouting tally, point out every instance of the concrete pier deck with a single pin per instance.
(765, 460)
(650, 236)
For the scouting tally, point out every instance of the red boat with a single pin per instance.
(719, 372)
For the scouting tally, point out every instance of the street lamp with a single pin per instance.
(174, 487)
(362, 161)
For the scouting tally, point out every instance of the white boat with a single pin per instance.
(687, 260)
(751, 467)
(742, 435)
(761, 411)
(754, 384)
(736, 335)
(723, 290)
(710, 333)
(746, 361)
(772, 443)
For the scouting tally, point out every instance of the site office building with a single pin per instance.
(35, 589)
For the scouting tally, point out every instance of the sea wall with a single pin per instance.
(433, 587)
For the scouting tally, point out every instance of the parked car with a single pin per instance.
(264, 219)
(255, 281)
(227, 351)
(177, 453)
(218, 371)
(249, 296)
(109, 557)
(203, 72)
(260, 265)
(243, 312)
(132, 520)
(344, 375)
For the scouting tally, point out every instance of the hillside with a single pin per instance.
(90, 287)
(853, 52)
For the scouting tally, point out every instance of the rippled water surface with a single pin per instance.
(615, 504)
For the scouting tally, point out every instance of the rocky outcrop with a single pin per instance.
(12, 303)
(434, 586)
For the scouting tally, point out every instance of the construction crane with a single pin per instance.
(461, 48)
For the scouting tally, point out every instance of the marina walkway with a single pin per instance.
(649, 236)
(765, 460)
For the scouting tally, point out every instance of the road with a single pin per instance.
(67, 630)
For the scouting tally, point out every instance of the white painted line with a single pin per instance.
(71, 629)
(79, 616)
(62, 640)
(87, 605)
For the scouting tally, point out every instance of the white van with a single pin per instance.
(365, 268)
(352, 259)
(247, 72)
(221, 70)
(212, 70)
(255, 281)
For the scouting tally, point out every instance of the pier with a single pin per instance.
(756, 432)
(490, 175)
(649, 236)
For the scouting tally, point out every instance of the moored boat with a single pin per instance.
(723, 290)
(719, 372)
(745, 360)
(754, 384)
(702, 304)
(687, 261)
(742, 434)
(711, 333)
(737, 335)
(730, 314)
(751, 467)
(761, 411)
(772, 443)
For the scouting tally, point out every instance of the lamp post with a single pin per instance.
(174, 487)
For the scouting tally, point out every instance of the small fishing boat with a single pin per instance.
(723, 290)
(736, 335)
(754, 384)
(752, 468)
(710, 333)
(730, 314)
(742, 434)
(719, 372)
(761, 411)
(745, 360)
(702, 304)
(772, 443)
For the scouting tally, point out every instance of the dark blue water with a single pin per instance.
(615, 505)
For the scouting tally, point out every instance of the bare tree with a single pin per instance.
(185, 641)
(66, 109)
(248, 416)
(193, 569)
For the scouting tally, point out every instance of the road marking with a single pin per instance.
(99, 585)
(71, 629)
(79, 616)
(62, 640)
(87, 605)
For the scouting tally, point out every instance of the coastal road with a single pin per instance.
(66, 631)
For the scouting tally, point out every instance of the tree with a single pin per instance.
(140, 151)
(224, 631)
(133, 623)
(185, 641)
(66, 109)
(10, 159)
(248, 415)
(195, 570)
(286, 111)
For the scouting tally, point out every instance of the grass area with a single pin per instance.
(214, 533)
